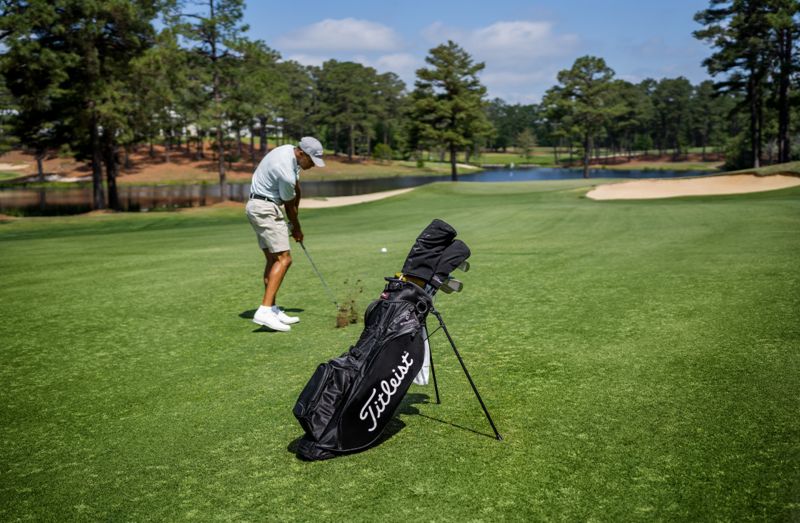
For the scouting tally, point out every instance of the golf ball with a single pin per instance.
(383, 250)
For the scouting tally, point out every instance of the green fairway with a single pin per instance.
(6, 175)
(641, 359)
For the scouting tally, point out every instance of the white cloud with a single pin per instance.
(403, 65)
(307, 59)
(519, 78)
(523, 55)
(519, 98)
(348, 35)
(505, 42)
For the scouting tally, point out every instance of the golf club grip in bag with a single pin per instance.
(350, 400)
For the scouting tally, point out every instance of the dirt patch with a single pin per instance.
(99, 212)
(185, 167)
(348, 313)
(707, 185)
(6, 217)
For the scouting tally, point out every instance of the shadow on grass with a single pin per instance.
(459, 426)
(395, 424)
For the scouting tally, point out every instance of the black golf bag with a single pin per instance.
(350, 400)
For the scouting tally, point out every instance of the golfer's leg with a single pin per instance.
(282, 261)
(270, 262)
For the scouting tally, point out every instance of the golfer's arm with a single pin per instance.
(297, 197)
(291, 212)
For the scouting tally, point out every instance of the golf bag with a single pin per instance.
(349, 400)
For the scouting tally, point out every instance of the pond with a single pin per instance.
(51, 201)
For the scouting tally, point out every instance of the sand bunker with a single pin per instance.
(671, 188)
(12, 167)
(339, 201)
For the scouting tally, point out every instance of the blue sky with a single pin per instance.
(523, 44)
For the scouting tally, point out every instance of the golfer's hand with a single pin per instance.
(297, 234)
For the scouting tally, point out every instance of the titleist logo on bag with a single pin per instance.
(374, 409)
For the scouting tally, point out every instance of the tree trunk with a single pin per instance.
(453, 171)
(223, 185)
(127, 158)
(111, 176)
(166, 147)
(239, 143)
(39, 164)
(152, 153)
(369, 143)
(784, 91)
(351, 149)
(336, 139)
(263, 147)
(705, 139)
(751, 91)
(97, 167)
(587, 150)
(253, 147)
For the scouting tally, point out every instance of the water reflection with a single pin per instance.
(43, 201)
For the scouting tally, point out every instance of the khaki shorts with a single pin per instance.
(267, 220)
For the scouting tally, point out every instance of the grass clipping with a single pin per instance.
(348, 313)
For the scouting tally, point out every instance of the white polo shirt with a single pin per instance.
(277, 174)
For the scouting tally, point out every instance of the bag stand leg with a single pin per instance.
(433, 370)
(444, 327)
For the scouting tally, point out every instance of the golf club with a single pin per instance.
(315, 268)
(320, 275)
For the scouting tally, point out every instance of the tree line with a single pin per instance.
(99, 79)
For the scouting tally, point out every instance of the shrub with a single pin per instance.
(736, 154)
(382, 153)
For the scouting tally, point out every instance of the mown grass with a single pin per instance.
(790, 167)
(8, 175)
(641, 360)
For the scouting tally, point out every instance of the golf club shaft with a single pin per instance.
(320, 275)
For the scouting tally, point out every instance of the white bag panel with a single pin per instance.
(422, 377)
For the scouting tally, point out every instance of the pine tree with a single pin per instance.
(215, 35)
(585, 89)
(449, 100)
(68, 58)
(739, 29)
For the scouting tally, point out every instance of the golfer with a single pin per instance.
(275, 183)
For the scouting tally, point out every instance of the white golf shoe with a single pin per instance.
(283, 317)
(265, 316)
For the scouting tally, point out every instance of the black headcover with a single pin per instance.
(452, 257)
(424, 256)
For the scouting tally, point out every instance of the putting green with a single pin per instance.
(641, 360)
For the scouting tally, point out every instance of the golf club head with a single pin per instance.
(450, 285)
(464, 266)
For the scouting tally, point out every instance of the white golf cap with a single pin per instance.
(312, 147)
